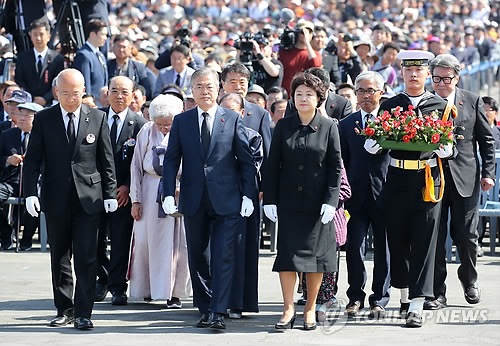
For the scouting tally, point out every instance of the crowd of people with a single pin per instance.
(163, 133)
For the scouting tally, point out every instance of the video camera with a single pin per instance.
(245, 45)
(184, 36)
(289, 36)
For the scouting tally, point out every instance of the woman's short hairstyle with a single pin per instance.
(165, 106)
(311, 81)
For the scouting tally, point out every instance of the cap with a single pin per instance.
(304, 24)
(362, 41)
(20, 96)
(434, 39)
(414, 57)
(35, 107)
(415, 45)
(257, 89)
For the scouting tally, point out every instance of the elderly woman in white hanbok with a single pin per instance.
(158, 266)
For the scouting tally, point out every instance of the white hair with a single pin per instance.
(370, 76)
(165, 106)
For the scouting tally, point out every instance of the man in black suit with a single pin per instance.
(464, 176)
(37, 68)
(336, 106)
(124, 126)
(70, 146)
(217, 188)
(124, 65)
(235, 79)
(13, 145)
(366, 174)
(90, 61)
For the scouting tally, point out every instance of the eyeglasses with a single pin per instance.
(65, 94)
(369, 91)
(115, 92)
(438, 79)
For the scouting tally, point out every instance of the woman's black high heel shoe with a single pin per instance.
(309, 326)
(286, 325)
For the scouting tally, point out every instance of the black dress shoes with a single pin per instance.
(377, 312)
(435, 304)
(101, 290)
(218, 321)
(472, 294)
(414, 320)
(353, 308)
(61, 321)
(204, 321)
(119, 298)
(83, 323)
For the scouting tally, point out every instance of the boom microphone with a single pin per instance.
(287, 15)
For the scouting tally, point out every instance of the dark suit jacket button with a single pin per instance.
(301, 167)
(300, 188)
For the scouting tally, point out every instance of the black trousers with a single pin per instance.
(73, 232)
(6, 230)
(244, 291)
(210, 243)
(412, 230)
(113, 272)
(357, 230)
(463, 231)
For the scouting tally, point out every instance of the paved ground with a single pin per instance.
(26, 306)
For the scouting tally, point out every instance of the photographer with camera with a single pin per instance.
(268, 72)
(300, 56)
(182, 36)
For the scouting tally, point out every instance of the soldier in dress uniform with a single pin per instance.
(412, 223)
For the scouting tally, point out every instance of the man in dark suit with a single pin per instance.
(13, 145)
(124, 65)
(179, 73)
(366, 174)
(90, 61)
(235, 79)
(491, 110)
(124, 126)
(37, 68)
(70, 146)
(217, 188)
(336, 106)
(464, 178)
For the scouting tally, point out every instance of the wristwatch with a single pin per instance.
(260, 56)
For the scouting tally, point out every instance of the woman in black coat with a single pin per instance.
(301, 185)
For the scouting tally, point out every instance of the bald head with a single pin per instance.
(122, 80)
(70, 87)
(120, 93)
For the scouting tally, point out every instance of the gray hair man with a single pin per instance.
(461, 194)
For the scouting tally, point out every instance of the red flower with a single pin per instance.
(449, 123)
(396, 123)
(369, 131)
(413, 131)
(406, 138)
(450, 135)
(410, 107)
(435, 138)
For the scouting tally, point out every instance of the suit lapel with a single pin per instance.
(459, 103)
(83, 124)
(217, 129)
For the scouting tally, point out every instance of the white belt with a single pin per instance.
(412, 164)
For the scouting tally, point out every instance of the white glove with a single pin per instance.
(271, 212)
(246, 207)
(328, 213)
(372, 146)
(32, 205)
(110, 205)
(444, 151)
(169, 206)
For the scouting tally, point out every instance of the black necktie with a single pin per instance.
(39, 64)
(25, 142)
(70, 131)
(205, 133)
(114, 130)
(178, 80)
(368, 116)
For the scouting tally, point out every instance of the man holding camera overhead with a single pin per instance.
(301, 55)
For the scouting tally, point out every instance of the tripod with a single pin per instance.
(71, 36)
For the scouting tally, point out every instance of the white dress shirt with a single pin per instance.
(119, 121)
(210, 119)
(372, 118)
(76, 119)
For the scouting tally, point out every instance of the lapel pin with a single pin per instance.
(131, 122)
(332, 105)
(90, 138)
(315, 127)
(460, 103)
(249, 113)
(130, 142)
(222, 120)
(87, 120)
